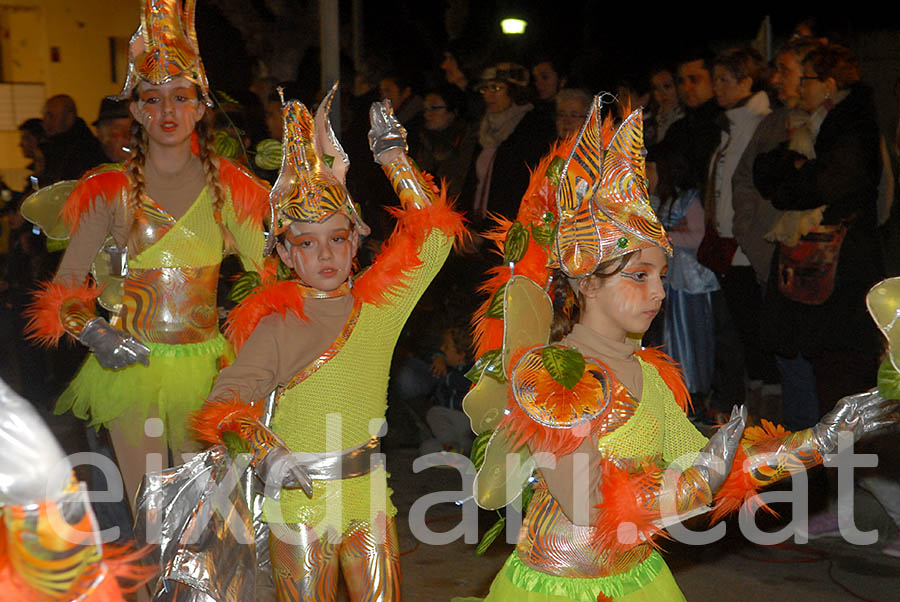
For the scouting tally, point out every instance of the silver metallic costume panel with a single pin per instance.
(198, 518)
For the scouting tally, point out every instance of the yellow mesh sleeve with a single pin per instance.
(659, 425)
(681, 438)
(248, 235)
(340, 405)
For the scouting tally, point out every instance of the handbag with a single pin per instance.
(806, 271)
(716, 252)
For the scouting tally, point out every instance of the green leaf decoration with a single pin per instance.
(495, 309)
(527, 494)
(888, 380)
(489, 536)
(554, 170)
(566, 366)
(479, 447)
(283, 272)
(226, 98)
(268, 154)
(235, 444)
(490, 362)
(242, 287)
(516, 243)
(544, 234)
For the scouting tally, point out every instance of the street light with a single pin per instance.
(513, 27)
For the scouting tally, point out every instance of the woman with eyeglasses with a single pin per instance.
(571, 109)
(841, 176)
(512, 138)
(448, 139)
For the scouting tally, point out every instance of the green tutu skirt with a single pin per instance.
(650, 581)
(176, 382)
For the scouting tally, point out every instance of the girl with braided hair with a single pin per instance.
(162, 222)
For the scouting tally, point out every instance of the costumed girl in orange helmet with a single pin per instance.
(322, 342)
(583, 268)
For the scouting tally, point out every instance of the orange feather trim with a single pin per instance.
(266, 299)
(623, 522)
(522, 429)
(670, 373)
(106, 183)
(755, 435)
(44, 325)
(740, 491)
(525, 430)
(249, 194)
(539, 198)
(217, 417)
(400, 255)
(121, 563)
(268, 271)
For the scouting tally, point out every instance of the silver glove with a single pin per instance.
(714, 461)
(386, 133)
(113, 348)
(858, 415)
(281, 467)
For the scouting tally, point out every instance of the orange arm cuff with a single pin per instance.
(58, 309)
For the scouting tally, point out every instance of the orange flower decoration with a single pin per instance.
(539, 382)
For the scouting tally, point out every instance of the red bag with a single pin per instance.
(716, 252)
(806, 271)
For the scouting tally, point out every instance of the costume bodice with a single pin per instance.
(169, 294)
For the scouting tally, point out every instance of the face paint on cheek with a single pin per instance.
(630, 297)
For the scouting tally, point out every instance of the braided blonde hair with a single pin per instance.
(205, 141)
(134, 168)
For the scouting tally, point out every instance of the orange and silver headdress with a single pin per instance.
(165, 47)
(310, 186)
(602, 198)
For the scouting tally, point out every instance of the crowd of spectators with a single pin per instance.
(746, 160)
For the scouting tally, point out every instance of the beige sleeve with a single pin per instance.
(262, 364)
(93, 228)
(575, 483)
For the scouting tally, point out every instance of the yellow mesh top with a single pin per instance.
(342, 405)
(659, 425)
(195, 240)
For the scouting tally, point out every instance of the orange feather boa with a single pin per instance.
(388, 274)
(217, 417)
(249, 194)
(106, 183)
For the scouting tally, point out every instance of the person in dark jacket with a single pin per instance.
(70, 149)
(512, 139)
(447, 142)
(837, 335)
(697, 134)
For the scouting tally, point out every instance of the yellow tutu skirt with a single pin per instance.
(177, 382)
(650, 581)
